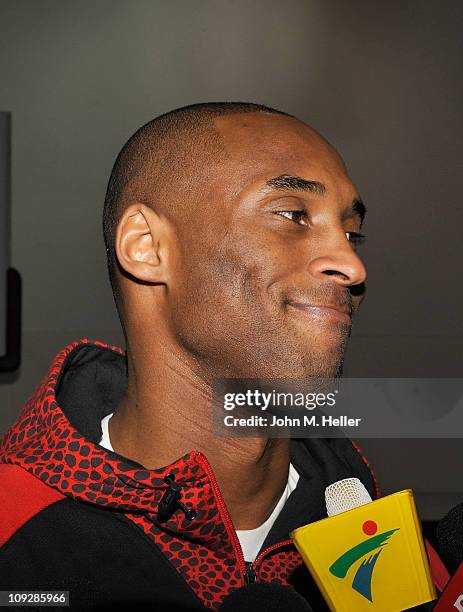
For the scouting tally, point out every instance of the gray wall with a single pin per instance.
(380, 80)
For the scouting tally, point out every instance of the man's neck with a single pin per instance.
(166, 413)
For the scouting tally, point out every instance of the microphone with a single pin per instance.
(265, 597)
(449, 535)
(367, 555)
(451, 599)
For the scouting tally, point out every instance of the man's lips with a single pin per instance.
(328, 311)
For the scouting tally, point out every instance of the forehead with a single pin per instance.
(261, 145)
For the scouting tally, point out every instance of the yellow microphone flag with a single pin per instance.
(371, 558)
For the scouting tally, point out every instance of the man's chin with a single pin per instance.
(324, 371)
(307, 367)
(323, 362)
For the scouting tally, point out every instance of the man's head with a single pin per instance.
(230, 232)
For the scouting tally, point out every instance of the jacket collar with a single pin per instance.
(56, 438)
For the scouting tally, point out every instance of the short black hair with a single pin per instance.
(161, 152)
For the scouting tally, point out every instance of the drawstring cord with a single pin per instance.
(170, 501)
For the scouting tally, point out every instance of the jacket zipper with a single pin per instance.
(265, 552)
(224, 514)
(247, 568)
(250, 573)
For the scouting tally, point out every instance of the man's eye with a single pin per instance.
(298, 216)
(356, 238)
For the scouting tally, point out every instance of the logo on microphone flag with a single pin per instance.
(363, 576)
(369, 558)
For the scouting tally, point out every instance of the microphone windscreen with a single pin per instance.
(265, 596)
(449, 534)
(344, 495)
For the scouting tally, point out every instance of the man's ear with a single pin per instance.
(142, 242)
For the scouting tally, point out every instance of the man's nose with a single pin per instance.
(340, 263)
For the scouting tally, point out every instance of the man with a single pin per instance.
(230, 231)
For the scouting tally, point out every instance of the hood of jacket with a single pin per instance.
(56, 439)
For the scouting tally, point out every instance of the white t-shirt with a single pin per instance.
(251, 540)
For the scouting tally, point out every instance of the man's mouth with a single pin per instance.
(329, 312)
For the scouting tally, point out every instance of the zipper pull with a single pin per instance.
(250, 573)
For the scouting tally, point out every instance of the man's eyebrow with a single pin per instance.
(359, 208)
(297, 183)
(287, 181)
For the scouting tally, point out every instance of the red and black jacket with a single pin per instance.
(75, 516)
